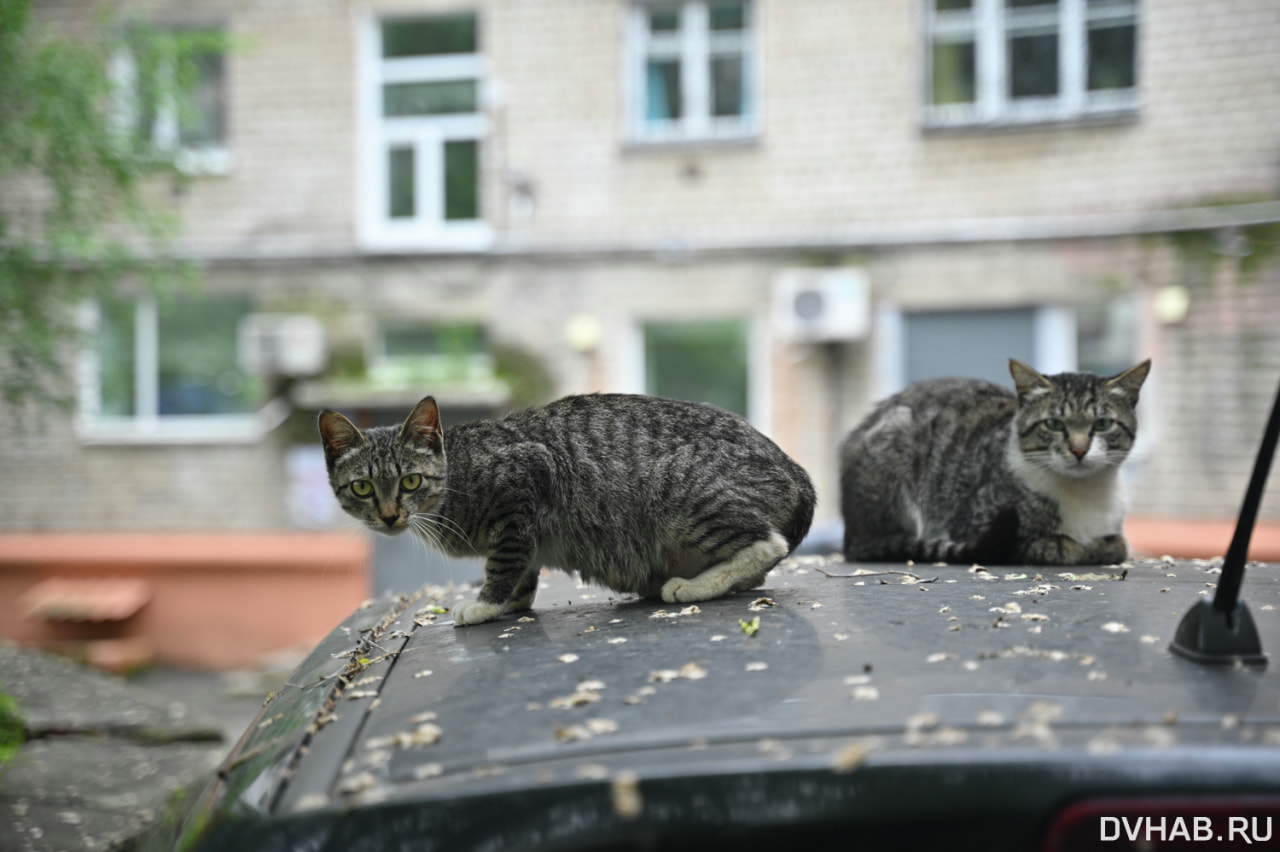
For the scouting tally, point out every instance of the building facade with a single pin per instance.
(788, 209)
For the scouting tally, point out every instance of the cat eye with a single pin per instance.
(411, 482)
(362, 488)
(1102, 424)
(1054, 425)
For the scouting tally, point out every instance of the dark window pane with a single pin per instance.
(429, 36)
(453, 96)
(115, 346)
(198, 369)
(662, 90)
(728, 16)
(1033, 66)
(401, 186)
(726, 86)
(954, 80)
(202, 118)
(948, 5)
(1014, 4)
(462, 180)
(698, 361)
(664, 20)
(1111, 57)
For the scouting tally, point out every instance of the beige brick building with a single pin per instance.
(615, 195)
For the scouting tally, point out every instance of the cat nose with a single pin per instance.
(1079, 452)
(390, 520)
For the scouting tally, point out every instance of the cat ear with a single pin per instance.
(338, 434)
(1130, 381)
(422, 428)
(1026, 379)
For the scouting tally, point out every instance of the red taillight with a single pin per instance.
(1166, 824)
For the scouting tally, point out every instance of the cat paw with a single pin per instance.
(476, 612)
(524, 604)
(680, 590)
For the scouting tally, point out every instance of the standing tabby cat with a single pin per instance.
(643, 495)
(965, 471)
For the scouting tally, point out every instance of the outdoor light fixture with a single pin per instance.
(1222, 632)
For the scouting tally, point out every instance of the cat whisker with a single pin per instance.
(425, 533)
(447, 524)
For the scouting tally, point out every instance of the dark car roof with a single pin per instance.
(921, 698)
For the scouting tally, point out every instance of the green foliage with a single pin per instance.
(12, 728)
(76, 216)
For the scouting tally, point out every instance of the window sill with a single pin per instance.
(183, 429)
(1032, 117)
(470, 237)
(682, 144)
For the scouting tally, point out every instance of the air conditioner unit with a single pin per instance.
(821, 304)
(282, 345)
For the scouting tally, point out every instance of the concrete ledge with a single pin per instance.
(219, 601)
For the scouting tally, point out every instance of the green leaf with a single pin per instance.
(751, 627)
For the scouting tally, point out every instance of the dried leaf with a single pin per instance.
(850, 757)
(577, 699)
(761, 603)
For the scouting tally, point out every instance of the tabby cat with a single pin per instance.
(962, 470)
(640, 494)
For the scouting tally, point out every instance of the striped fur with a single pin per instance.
(642, 495)
(960, 470)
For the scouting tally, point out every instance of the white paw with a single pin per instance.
(680, 590)
(475, 612)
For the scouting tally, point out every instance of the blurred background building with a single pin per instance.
(786, 209)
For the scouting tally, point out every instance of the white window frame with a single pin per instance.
(428, 230)
(987, 24)
(147, 425)
(694, 45)
(214, 159)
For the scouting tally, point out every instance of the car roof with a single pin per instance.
(836, 690)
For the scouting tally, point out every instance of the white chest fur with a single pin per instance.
(1090, 507)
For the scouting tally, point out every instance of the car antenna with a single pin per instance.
(1222, 632)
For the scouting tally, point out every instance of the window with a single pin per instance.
(172, 95)
(422, 134)
(167, 368)
(1024, 61)
(691, 71)
(699, 361)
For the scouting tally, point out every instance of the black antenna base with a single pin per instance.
(1209, 635)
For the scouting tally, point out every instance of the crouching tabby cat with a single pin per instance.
(962, 470)
(643, 495)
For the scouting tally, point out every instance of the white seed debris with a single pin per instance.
(1115, 627)
(939, 657)
(756, 666)
(568, 658)
(865, 693)
(428, 770)
(424, 673)
(1148, 639)
(424, 735)
(617, 640)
